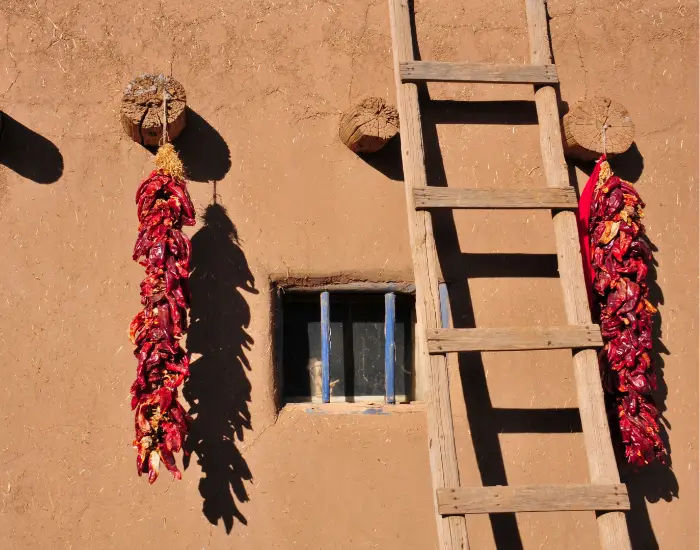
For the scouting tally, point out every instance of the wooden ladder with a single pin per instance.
(605, 494)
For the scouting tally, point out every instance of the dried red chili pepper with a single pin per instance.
(616, 256)
(161, 423)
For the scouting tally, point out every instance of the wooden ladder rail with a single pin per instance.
(452, 530)
(606, 493)
(602, 466)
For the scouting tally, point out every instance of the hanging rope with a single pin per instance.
(164, 139)
(605, 149)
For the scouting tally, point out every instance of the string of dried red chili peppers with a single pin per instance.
(617, 257)
(161, 422)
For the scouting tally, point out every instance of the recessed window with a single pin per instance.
(346, 346)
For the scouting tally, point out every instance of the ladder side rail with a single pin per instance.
(452, 530)
(601, 458)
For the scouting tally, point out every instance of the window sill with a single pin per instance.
(379, 408)
(359, 399)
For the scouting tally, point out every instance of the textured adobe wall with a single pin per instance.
(267, 81)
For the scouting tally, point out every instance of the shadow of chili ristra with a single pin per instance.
(656, 481)
(218, 389)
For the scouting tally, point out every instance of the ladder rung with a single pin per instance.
(451, 197)
(512, 339)
(532, 498)
(438, 71)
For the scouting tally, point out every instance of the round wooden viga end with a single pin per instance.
(583, 129)
(142, 108)
(367, 126)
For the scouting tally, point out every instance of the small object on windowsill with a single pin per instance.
(587, 121)
(369, 125)
(142, 108)
(316, 377)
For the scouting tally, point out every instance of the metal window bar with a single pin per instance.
(325, 347)
(389, 347)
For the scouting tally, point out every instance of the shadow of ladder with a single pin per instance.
(605, 494)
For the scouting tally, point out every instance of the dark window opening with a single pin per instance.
(357, 360)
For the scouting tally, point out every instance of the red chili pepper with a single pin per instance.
(617, 256)
(161, 422)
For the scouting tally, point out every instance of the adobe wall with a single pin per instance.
(267, 82)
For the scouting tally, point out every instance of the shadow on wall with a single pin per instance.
(203, 151)
(628, 165)
(656, 481)
(201, 148)
(218, 390)
(387, 160)
(486, 422)
(27, 153)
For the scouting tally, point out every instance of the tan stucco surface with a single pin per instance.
(267, 81)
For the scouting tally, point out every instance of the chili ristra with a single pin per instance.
(617, 256)
(161, 422)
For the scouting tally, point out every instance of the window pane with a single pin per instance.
(301, 347)
(357, 345)
(360, 365)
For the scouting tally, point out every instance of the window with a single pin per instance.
(346, 346)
